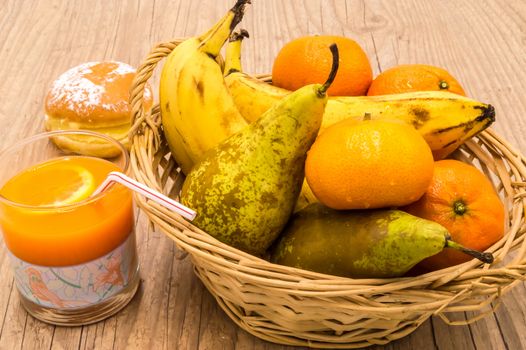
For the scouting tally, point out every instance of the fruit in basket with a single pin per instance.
(462, 199)
(196, 109)
(306, 60)
(360, 243)
(369, 164)
(445, 120)
(244, 190)
(414, 77)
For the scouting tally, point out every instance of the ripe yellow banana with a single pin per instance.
(197, 111)
(444, 119)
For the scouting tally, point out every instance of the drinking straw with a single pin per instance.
(146, 191)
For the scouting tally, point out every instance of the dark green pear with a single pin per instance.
(245, 189)
(361, 244)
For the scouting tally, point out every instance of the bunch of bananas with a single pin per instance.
(203, 103)
(197, 111)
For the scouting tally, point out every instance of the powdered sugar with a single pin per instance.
(147, 93)
(122, 69)
(79, 94)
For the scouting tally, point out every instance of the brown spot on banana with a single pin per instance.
(421, 116)
(200, 89)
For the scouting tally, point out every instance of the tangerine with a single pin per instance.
(369, 164)
(308, 60)
(462, 199)
(414, 77)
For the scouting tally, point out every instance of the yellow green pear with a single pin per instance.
(244, 190)
(361, 243)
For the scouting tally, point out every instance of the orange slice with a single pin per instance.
(53, 183)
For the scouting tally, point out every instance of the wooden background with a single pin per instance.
(482, 43)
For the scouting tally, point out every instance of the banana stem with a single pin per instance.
(334, 69)
(488, 113)
(238, 9)
(235, 36)
(484, 257)
(213, 40)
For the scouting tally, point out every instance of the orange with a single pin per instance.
(308, 60)
(414, 77)
(461, 199)
(369, 164)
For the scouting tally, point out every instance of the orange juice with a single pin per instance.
(73, 254)
(49, 219)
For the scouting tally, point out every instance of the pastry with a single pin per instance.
(92, 96)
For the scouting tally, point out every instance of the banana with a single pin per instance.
(197, 111)
(233, 52)
(444, 119)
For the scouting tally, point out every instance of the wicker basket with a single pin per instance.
(296, 307)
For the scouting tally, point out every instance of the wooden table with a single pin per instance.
(482, 43)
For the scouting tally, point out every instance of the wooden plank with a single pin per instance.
(216, 331)
(421, 338)
(451, 337)
(7, 293)
(246, 341)
(185, 299)
(511, 318)
(98, 336)
(13, 322)
(65, 338)
(486, 333)
(37, 335)
(11, 329)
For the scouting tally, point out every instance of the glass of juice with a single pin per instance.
(74, 255)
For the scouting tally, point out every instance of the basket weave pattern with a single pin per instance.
(296, 307)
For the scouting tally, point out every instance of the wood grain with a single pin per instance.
(482, 43)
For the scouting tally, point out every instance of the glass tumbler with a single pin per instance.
(73, 255)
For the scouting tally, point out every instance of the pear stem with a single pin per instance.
(334, 69)
(484, 257)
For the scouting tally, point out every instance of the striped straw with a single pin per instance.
(146, 191)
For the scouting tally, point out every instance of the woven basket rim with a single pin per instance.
(471, 286)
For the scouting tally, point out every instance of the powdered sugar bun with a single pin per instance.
(93, 96)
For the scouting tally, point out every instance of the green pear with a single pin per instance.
(245, 189)
(361, 244)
